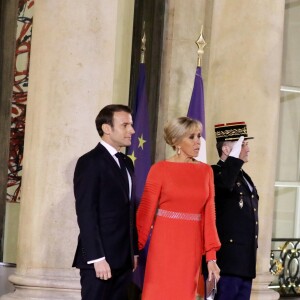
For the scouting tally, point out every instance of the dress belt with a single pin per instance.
(178, 215)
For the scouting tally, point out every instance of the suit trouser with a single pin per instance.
(233, 288)
(115, 288)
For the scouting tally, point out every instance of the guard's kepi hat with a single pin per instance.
(231, 131)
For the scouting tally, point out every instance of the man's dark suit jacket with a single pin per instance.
(105, 214)
(237, 219)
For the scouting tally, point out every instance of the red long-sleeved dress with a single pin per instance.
(178, 200)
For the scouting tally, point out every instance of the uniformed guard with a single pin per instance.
(236, 213)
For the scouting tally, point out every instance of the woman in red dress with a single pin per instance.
(178, 201)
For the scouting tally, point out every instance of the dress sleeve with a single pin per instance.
(211, 238)
(148, 205)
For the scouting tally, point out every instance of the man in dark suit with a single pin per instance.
(236, 213)
(104, 189)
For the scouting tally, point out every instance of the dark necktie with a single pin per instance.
(121, 158)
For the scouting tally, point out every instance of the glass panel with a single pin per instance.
(286, 210)
(284, 213)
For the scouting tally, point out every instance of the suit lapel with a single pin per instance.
(107, 157)
(248, 178)
(245, 178)
(112, 164)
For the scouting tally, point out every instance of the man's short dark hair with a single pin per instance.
(106, 115)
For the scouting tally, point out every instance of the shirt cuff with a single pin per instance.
(95, 260)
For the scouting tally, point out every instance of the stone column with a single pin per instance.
(244, 85)
(73, 65)
(183, 23)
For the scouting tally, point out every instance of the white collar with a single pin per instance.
(109, 148)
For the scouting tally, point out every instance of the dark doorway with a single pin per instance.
(148, 14)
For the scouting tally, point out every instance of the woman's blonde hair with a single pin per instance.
(178, 128)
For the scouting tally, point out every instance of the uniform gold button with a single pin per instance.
(252, 196)
(241, 193)
(254, 209)
(256, 223)
(256, 236)
(231, 241)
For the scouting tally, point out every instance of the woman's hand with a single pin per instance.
(213, 270)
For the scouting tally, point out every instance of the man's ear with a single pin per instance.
(106, 128)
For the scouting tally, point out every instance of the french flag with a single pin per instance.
(196, 111)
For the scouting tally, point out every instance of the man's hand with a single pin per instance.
(135, 262)
(102, 269)
(237, 147)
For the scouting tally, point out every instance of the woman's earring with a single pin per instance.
(178, 151)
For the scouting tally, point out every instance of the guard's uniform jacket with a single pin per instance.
(237, 218)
